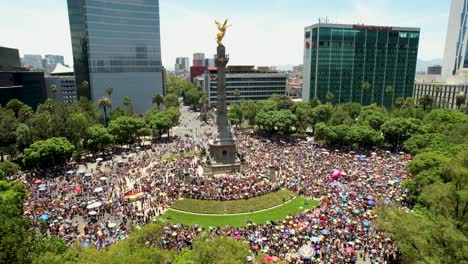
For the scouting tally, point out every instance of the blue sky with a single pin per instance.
(264, 32)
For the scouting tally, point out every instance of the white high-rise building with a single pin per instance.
(182, 65)
(456, 42)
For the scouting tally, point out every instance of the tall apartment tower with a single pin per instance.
(182, 65)
(117, 44)
(456, 42)
(198, 59)
(359, 63)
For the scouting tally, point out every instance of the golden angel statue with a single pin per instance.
(222, 30)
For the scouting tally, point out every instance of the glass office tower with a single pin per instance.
(116, 43)
(341, 58)
(456, 42)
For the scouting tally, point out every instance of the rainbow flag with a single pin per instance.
(132, 196)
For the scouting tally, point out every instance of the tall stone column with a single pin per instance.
(224, 135)
(223, 147)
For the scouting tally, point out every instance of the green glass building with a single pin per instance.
(359, 63)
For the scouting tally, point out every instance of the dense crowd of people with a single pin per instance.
(94, 203)
(349, 186)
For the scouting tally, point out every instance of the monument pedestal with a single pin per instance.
(223, 148)
(224, 158)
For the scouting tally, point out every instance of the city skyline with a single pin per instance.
(188, 27)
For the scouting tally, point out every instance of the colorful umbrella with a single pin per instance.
(336, 174)
(366, 223)
(44, 217)
(325, 232)
(306, 252)
(349, 250)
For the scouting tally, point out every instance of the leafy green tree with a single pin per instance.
(400, 101)
(116, 113)
(23, 137)
(282, 120)
(76, 129)
(304, 114)
(125, 128)
(398, 130)
(192, 97)
(373, 118)
(424, 142)
(444, 120)
(174, 114)
(339, 117)
(104, 103)
(315, 102)
(426, 101)
(235, 114)
(15, 105)
(410, 102)
(427, 167)
(8, 126)
(267, 105)
(171, 100)
(7, 169)
(423, 237)
(53, 89)
(203, 102)
(322, 113)
(88, 108)
(249, 111)
(48, 152)
(324, 132)
(282, 101)
(161, 123)
(353, 109)
(98, 137)
(41, 127)
(363, 136)
(158, 100)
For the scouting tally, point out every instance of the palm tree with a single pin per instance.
(365, 87)
(109, 91)
(53, 89)
(85, 85)
(460, 97)
(388, 90)
(438, 90)
(400, 101)
(103, 103)
(127, 102)
(329, 97)
(237, 94)
(426, 101)
(157, 99)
